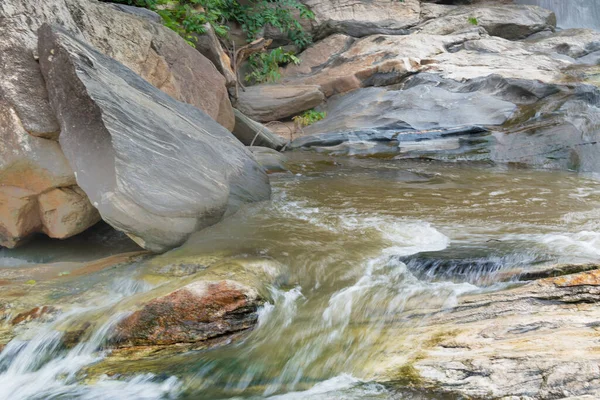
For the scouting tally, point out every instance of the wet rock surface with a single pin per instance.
(197, 312)
(519, 342)
(139, 185)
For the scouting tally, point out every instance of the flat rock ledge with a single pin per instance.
(537, 341)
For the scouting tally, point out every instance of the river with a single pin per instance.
(359, 243)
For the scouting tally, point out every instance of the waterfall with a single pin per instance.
(572, 13)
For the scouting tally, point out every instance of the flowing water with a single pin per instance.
(571, 13)
(363, 246)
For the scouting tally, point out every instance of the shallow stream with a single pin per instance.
(360, 244)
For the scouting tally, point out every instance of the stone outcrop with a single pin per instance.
(530, 342)
(155, 168)
(197, 312)
(378, 60)
(31, 162)
(416, 108)
(266, 103)
(508, 21)
(363, 18)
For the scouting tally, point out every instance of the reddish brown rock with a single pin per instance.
(199, 311)
(43, 312)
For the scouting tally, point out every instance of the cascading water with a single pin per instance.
(571, 13)
(368, 249)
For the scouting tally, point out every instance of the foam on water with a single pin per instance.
(343, 386)
(41, 368)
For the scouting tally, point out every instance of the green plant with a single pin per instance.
(309, 117)
(187, 17)
(473, 21)
(265, 66)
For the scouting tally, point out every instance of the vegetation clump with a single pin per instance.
(190, 17)
(309, 117)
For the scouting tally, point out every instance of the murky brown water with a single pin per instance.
(355, 241)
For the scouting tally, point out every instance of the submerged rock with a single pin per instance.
(155, 168)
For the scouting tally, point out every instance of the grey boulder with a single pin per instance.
(155, 168)
(252, 133)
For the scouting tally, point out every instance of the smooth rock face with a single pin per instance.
(363, 18)
(266, 103)
(494, 55)
(30, 157)
(564, 133)
(528, 342)
(252, 133)
(155, 168)
(319, 54)
(158, 55)
(417, 108)
(199, 311)
(507, 21)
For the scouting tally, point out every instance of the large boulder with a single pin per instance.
(156, 168)
(504, 20)
(363, 18)
(266, 103)
(31, 160)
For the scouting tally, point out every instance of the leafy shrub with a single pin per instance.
(265, 66)
(309, 117)
(189, 16)
(473, 21)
